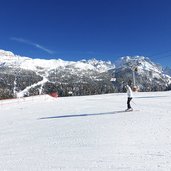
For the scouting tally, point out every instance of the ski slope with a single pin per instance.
(88, 133)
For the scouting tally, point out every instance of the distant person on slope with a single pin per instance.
(129, 94)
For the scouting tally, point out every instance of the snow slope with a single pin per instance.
(88, 133)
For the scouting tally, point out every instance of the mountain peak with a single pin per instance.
(6, 53)
(142, 62)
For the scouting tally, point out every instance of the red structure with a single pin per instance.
(54, 94)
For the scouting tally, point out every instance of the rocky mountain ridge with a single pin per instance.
(24, 76)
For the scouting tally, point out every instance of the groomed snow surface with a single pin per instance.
(88, 133)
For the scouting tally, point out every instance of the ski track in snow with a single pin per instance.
(88, 133)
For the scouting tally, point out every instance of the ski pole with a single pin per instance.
(134, 102)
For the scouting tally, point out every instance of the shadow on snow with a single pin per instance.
(83, 115)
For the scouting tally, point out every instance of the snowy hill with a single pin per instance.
(87, 133)
(24, 76)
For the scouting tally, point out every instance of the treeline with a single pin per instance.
(66, 83)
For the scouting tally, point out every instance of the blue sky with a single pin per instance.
(84, 29)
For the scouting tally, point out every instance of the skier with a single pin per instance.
(129, 94)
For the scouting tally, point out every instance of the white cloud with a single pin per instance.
(33, 44)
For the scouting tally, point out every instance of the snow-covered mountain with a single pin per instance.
(23, 76)
(143, 64)
(148, 75)
(11, 60)
(51, 73)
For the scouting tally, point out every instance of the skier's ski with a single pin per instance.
(131, 110)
